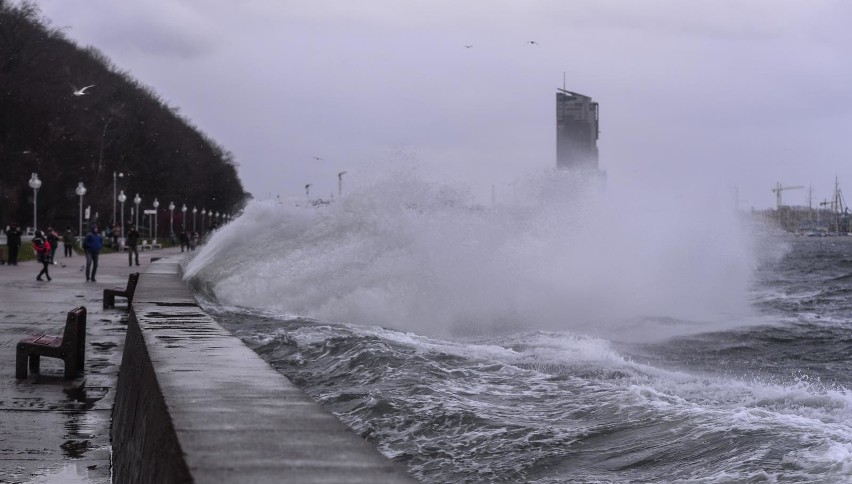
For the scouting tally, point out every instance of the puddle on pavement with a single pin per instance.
(75, 448)
(83, 398)
(103, 347)
(69, 473)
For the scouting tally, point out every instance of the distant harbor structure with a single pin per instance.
(576, 131)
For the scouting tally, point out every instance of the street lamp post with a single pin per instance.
(81, 190)
(172, 219)
(114, 197)
(137, 201)
(35, 184)
(340, 183)
(156, 215)
(122, 198)
(203, 212)
(194, 211)
(183, 218)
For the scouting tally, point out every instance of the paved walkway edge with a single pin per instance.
(194, 404)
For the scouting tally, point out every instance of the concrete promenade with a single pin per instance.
(55, 430)
(195, 404)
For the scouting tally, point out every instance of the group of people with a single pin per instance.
(13, 242)
(45, 245)
(188, 241)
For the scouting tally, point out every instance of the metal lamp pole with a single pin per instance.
(137, 201)
(81, 190)
(156, 216)
(35, 184)
(172, 218)
(194, 211)
(122, 198)
(183, 218)
(340, 183)
(203, 212)
(114, 196)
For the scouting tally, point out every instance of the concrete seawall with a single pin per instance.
(194, 404)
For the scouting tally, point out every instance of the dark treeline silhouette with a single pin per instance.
(119, 126)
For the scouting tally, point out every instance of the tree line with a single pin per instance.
(117, 126)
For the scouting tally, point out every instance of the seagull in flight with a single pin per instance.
(81, 92)
(318, 158)
(468, 46)
(531, 42)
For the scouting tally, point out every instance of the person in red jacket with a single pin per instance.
(42, 249)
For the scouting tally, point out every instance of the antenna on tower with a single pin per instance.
(564, 86)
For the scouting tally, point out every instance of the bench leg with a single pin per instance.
(109, 301)
(35, 363)
(21, 364)
(80, 357)
(70, 367)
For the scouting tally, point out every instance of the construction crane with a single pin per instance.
(838, 206)
(778, 189)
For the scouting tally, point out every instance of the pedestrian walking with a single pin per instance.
(13, 242)
(184, 241)
(41, 246)
(116, 231)
(132, 245)
(92, 244)
(68, 241)
(53, 239)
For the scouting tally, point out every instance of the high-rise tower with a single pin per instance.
(576, 131)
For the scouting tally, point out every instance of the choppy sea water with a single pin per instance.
(758, 395)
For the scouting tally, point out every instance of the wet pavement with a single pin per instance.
(51, 429)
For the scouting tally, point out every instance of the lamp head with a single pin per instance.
(34, 182)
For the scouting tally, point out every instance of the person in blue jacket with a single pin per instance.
(92, 244)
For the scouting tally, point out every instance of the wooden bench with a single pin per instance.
(70, 347)
(110, 294)
(145, 245)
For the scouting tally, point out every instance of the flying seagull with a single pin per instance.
(318, 158)
(468, 46)
(531, 42)
(81, 92)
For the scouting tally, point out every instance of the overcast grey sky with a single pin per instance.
(714, 94)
